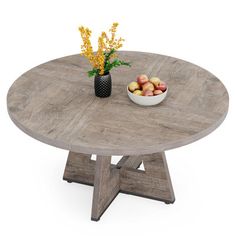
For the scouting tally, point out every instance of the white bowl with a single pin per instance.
(147, 100)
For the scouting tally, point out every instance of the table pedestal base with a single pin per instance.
(108, 179)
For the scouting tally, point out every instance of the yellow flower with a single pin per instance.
(100, 57)
(105, 45)
(114, 43)
(86, 48)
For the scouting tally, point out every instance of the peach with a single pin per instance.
(162, 86)
(148, 86)
(142, 79)
(133, 86)
(147, 93)
(155, 80)
(138, 92)
(157, 92)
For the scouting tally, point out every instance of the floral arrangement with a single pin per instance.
(105, 58)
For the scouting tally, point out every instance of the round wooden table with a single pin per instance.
(55, 103)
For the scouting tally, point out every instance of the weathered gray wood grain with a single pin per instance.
(109, 179)
(55, 103)
(106, 186)
(154, 182)
(79, 168)
(130, 161)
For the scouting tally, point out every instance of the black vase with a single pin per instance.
(102, 85)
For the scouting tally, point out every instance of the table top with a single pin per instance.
(55, 103)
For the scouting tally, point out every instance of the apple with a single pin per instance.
(147, 93)
(133, 86)
(162, 86)
(148, 86)
(142, 79)
(155, 80)
(138, 92)
(157, 92)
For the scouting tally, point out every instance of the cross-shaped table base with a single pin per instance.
(125, 177)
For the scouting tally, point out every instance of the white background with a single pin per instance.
(34, 200)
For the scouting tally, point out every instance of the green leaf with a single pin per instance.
(93, 72)
(118, 62)
(109, 54)
(108, 65)
(123, 63)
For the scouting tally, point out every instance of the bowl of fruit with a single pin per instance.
(147, 92)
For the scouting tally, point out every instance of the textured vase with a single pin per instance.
(102, 85)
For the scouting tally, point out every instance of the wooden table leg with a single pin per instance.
(154, 182)
(79, 168)
(129, 161)
(106, 186)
